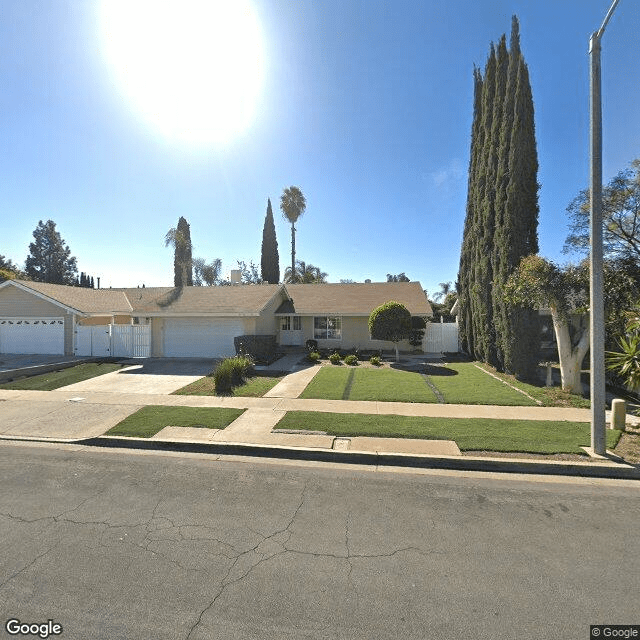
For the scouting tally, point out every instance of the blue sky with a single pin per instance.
(365, 105)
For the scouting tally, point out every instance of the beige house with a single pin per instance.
(192, 321)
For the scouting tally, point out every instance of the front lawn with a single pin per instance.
(254, 387)
(62, 378)
(470, 434)
(385, 385)
(459, 383)
(146, 422)
(470, 385)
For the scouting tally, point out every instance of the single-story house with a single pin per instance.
(46, 318)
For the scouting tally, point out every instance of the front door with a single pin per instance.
(291, 331)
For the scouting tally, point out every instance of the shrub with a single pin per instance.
(313, 356)
(334, 357)
(232, 372)
(375, 360)
(351, 359)
(311, 345)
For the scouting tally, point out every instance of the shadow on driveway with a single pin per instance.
(171, 366)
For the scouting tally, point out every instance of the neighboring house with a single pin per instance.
(192, 321)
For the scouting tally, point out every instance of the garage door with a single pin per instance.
(199, 338)
(32, 335)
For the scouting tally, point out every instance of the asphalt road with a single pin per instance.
(119, 544)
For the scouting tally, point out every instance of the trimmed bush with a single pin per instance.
(314, 356)
(351, 359)
(334, 358)
(262, 349)
(311, 345)
(375, 360)
(232, 372)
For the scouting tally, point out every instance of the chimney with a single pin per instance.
(98, 282)
(367, 281)
(236, 276)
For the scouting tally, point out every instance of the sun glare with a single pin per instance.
(191, 68)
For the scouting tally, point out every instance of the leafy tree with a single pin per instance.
(206, 273)
(620, 217)
(293, 205)
(8, 270)
(249, 272)
(390, 321)
(502, 211)
(401, 277)
(305, 274)
(270, 260)
(180, 239)
(49, 258)
(442, 310)
(537, 282)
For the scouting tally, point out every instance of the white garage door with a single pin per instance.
(200, 338)
(32, 335)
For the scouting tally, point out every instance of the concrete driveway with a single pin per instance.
(155, 375)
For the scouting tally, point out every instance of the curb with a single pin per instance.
(615, 471)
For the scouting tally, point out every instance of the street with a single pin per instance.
(123, 544)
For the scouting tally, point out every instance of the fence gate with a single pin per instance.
(119, 340)
(440, 337)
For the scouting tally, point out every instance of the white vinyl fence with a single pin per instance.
(440, 337)
(119, 340)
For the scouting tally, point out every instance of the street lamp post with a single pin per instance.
(596, 287)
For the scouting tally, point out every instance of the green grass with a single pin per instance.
(549, 396)
(472, 386)
(466, 385)
(255, 387)
(470, 434)
(385, 385)
(146, 422)
(57, 379)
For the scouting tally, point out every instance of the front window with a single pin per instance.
(327, 328)
(289, 323)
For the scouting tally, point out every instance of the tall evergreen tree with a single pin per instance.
(50, 258)
(502, 211)
(180, 239)
(270, 261)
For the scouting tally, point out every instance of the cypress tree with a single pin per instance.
(183, 260)
(502, 212)
(270, 260)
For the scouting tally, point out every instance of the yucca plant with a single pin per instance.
(626, 363)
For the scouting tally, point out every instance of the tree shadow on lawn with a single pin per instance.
(426, 369)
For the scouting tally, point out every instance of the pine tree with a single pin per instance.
(502, 211)
(270, 260)
(49, 258)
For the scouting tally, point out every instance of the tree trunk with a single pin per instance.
(571, 356)
(293, 253)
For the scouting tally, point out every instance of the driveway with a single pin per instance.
(9, 361)
(155, 376)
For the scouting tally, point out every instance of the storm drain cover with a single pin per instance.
(341, 444)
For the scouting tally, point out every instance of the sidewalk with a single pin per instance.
(69, 414)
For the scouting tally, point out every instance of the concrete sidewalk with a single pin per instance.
(86, 412)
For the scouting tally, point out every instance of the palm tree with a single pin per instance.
(445, 289)
(292, 205)
(305, 274)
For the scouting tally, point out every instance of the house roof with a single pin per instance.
(79, 299)
(223, 301)
(247, 300)
(353, 299)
